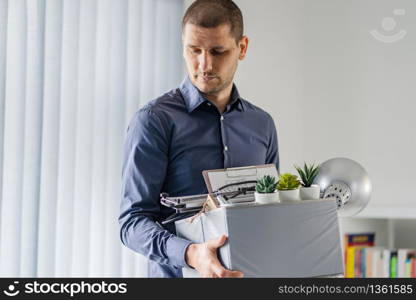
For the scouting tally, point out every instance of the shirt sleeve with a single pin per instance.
(272, 156)
(144, 170)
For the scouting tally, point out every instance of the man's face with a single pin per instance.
(211, 56)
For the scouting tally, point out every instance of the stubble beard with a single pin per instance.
(219, 87)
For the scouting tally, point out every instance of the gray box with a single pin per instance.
(288, 239)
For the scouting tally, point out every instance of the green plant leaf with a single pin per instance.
(288, 181)
(266, 184)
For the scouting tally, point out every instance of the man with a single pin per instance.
(204, 124)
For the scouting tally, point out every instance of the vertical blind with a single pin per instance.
(72, 74)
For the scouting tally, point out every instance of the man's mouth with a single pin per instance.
(207, 78)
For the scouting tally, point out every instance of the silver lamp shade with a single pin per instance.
(346, 181)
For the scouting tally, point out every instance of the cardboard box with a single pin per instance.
(288, 239)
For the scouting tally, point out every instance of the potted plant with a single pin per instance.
(288, 187)
(266, 190)
(307, 174)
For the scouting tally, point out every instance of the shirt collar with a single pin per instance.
(193, 97)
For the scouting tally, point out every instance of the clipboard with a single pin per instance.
(219, 178)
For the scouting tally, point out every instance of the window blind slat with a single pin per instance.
(132, 101)
(3, 55)
(147, 55)
(32, 137)
(50, 136)
(99, 146)
(67, 138)
(14, 123)
(116, 130)
(84, 137)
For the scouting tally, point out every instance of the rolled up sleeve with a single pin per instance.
(144, 170)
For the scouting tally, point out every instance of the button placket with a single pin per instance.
(224, 142)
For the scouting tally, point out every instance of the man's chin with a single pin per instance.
(208, 92)
(206, 88)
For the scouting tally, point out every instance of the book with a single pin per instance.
(350, 262)
(404, 258)
(369, 262)
(385, 273)
(374, 261)
(353, 253)
(359, 239)
(380, 269)
(357, 262)
(393, 264)
(364, 260)
(377, 262)
(408, 268)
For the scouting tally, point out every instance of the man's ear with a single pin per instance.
(243, 45)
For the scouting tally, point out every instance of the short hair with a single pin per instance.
(212, 13)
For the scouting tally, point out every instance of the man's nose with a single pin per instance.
(205, 62)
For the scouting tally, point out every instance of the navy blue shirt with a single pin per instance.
(169, 142)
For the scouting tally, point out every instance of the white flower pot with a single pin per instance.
(267, 197)
(289, 195)
(310, 193)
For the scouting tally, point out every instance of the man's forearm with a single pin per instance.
(142, 235)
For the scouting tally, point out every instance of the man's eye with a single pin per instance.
(196, 51)
(215, 52)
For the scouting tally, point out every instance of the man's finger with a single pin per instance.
(236, 274)
(220, 271)
(217, 242)
(224, 273)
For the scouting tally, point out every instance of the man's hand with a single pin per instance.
(203, 258)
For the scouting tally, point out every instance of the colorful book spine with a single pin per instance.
(350, 262)
(393, 264)
(386, 263)
(359, 239)
(357, 262)
(363, 262)
(353, 257)
(408, 268)
(369, 253)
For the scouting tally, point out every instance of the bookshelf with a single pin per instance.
(394, 225)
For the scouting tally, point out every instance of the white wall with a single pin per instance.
(333, 89)
(272, 74)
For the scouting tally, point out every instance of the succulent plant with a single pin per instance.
(266, 184)
(288, 181)
(307, 174)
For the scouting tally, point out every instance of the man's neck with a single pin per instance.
(221, 99)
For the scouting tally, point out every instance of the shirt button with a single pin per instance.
(226, 148)
(222, 118)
